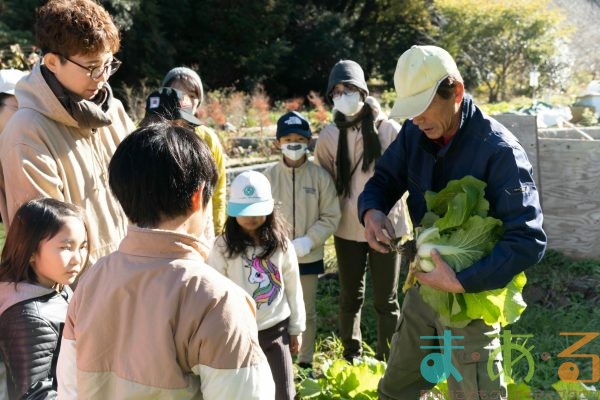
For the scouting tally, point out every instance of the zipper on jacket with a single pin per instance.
(437, 179)
(294, 203)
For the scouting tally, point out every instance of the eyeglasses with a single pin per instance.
(97, 72)
(347, 91)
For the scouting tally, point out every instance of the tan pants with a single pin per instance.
(309, 291)
(403, 378)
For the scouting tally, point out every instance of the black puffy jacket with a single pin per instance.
(30, 333)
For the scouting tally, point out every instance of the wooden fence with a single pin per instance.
(566, 165)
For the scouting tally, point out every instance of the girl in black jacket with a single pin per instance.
(45, 250)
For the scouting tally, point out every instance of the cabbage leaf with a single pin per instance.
(457, 225)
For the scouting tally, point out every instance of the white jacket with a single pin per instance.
(274, 283)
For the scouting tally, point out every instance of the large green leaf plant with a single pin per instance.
(457, 225)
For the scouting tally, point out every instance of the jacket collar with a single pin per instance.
(34, 92)
(283, 165)
(159, 243)
(11, 294)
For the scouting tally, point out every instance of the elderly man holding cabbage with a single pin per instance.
(478, 225)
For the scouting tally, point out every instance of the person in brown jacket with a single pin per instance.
(68, 124)
(152, 320)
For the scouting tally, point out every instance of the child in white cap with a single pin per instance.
(8, 101)
(255, 253)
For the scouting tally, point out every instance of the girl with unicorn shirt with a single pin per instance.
(255, 253)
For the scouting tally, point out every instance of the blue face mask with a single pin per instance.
(294, 151)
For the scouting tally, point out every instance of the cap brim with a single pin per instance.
(410, 107)
(189, 117)
(250, 210)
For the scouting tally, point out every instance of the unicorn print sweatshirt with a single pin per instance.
(273, 283)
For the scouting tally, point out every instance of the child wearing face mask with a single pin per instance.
(348, 149)
(309, 204)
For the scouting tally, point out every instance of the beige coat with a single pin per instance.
(308, 201)
(153, 321)
(350, 227)
(44, 153)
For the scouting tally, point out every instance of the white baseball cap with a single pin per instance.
(9, 78)
(250, 195)
(419, 72)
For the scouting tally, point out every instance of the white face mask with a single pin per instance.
(294, 151)
(348, 104)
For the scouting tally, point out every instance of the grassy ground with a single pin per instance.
(563, 295)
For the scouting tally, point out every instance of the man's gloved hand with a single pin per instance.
(302, 245)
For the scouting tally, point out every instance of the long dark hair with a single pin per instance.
(371, 146)
(271, 235)
(34, 222)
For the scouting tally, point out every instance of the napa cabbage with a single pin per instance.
(457, 225)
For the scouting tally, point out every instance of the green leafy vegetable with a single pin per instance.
(458, 227)
(341, 380)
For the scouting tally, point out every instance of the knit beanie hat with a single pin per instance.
(347, 71)
(188, 74)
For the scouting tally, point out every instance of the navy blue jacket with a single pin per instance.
(485, 149)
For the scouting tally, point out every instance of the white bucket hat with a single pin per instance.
(9, 79)
(250, 195)
(419, 72)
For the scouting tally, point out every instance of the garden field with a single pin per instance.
(563, 296)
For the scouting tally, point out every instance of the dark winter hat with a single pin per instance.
(347, 71)
(187, 74)
(293, 122)
(171, 104)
